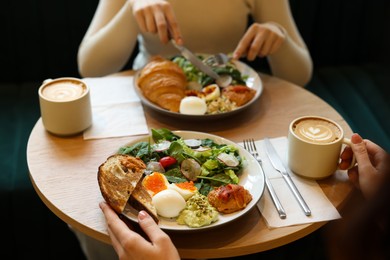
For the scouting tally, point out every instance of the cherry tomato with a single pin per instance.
(167, 161)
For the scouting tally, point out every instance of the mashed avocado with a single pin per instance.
(198, 212)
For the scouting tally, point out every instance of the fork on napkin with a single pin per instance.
(322, 209)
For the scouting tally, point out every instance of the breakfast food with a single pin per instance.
(198, 212)
(163, 82)
(171, 178)
(140, 199)
(185, 189)
(192, 105)
(178, 86)
(118, 179)
(155, 182)
(239, 94)
(168, 203)
(229, 198)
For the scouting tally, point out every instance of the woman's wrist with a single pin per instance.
(281, 28)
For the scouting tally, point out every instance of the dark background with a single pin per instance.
(348, 41)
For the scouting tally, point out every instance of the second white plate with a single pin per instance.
(253, 81)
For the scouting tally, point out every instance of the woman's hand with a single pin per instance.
(260, 40)
(371, 161)
(157, 16)
(130, 245)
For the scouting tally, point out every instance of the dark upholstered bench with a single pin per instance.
(348, 41)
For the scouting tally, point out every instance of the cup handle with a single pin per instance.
(348, 142)
(47, 81)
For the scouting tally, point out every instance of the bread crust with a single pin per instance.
(120, 182)
(117, 177)
(140, 199)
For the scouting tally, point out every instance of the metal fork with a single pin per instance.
(250, 146)
(217, 59)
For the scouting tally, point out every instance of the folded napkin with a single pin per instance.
(322, 209)
(116, 108)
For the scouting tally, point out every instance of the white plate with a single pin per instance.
(251, 179)
(253, 81)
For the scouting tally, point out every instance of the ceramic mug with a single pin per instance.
(65, 106)
(314, 146)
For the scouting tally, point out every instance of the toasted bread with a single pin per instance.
(140, 199)
(119, 179)
(118, 176)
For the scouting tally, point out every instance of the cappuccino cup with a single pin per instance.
(314, 146)
(65, 106)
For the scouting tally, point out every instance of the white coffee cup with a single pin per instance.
(65, 106)
(314, 146)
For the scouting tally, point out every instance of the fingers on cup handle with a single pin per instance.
(348, 142)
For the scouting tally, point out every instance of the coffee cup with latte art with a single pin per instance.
(314, 146)
(65, 106)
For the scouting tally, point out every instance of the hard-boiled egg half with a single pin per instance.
(155, 183)
(212, 92)
(185, 189)
(193, 105)
(168, 203)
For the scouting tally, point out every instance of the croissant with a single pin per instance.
(163, 82)
(229, 198)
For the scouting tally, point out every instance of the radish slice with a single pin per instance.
(202, 149)
(154, 167)
(162, 146)
(228, 159)
(190, 169)
(193, 143)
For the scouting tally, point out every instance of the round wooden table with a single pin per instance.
(64, 172)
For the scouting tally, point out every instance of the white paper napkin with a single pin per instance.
(322, 209)
(116, 108)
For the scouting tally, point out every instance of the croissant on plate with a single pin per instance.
(229, 198)
(163, 82)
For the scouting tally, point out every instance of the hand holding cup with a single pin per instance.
(314, 146)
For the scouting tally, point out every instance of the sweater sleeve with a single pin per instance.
(109, 40)
(292, 61)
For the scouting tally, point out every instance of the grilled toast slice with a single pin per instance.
(119, 179)
(118, 176)
(140, 199)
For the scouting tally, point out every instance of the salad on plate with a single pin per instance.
(191, 180)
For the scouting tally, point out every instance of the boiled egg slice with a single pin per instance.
(168, 203)
(212, 92)
(192, 105)
(155, 183)
(185, 189)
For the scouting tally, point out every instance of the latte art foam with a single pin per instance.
(64, 90)
(317, 131)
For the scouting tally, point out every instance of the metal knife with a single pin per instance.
(278, 165)
(195, 60)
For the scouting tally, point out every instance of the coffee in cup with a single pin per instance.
(314, 146)
(64, 90)
(65, 106)
(316, 130)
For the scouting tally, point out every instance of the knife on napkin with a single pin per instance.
(278, 165)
